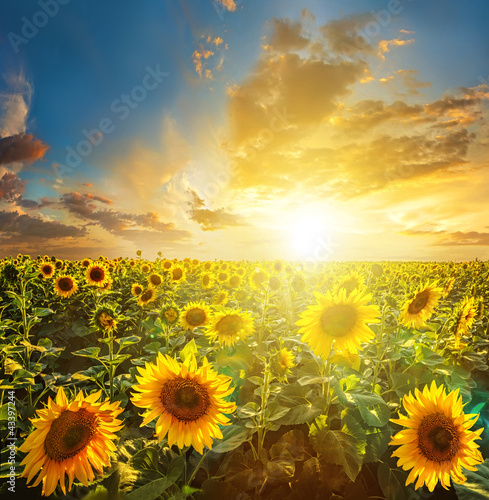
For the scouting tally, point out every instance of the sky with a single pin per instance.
(242, 129)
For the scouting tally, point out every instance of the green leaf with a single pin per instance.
(354, 429)
(336, 447)
(190, 349)
(42, 311)
(89, 352)
(127, 341)
(281, 467)
(232, 437)
(377, 443)
(389, 483)
(477, 485)
(241, 359)
(212, 489)
(375, 416)
(250, 409)
(79, 327)
(303, 412)
(427, 357)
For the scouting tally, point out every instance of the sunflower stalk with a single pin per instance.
(265, 393)
(263, 316)
(380, 352)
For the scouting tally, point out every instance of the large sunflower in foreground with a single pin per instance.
(420, 308)
(437, 442)
(188, 401)
(230, 326)
(70, 439)
(65, 286)
(195, 314)
(97, 274)
(338, 320)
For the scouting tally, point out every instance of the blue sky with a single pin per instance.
(197, 167)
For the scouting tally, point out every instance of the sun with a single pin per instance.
(308, 233)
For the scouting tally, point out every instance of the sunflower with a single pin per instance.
(188, 401)
(230, 326)
(206, 281)
(170, 314)
(70, 438)
(149, 295)
(278, 266)
(465, 315)
(145, 268)
(258, 279)
(137, 289)
(234, 281)
(167, 265)
(352, 282)
(221, 298)
(438, 442)
(339, 320)
(419, 309)
(283, 360)
(177, 274)
(155, 279)
(222, 277)
(65, 286)
(274, 283)
(105, 319)
(195, 314)
(86, 262)
(97, 274)
(47, 270)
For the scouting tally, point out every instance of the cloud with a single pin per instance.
(15, 227)
(14, 105)
(11, 187)
(460, 238)
(118, 223)
(21, 148)
(229, 4)
(287, 36)
(211, 220)
(385, 45)
(345, 36)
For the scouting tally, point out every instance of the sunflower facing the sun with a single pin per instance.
(97, 274)
(230, 326)
(437, 442)
(339, 321)
(195, 314)
(188, 401)
(65, 286)
(418, 310)
(70, 439)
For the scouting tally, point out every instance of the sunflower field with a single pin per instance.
(142, 380)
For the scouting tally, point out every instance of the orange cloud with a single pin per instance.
(21, 148)
(384, 45)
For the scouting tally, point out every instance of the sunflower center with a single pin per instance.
(195, 316)
(438, 438)
(205, 280)
(147, 296)
(419, 302)
(47, 269)
(70, 433)
(97, 274)
(155, 280)
(177, 274)
(234, 281)
(185, 399)
(339, 320)
(65, 284)
(229, 325)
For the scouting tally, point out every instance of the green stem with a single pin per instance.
(264, 312)
(264, 400)
(380, 353)
(111, 367)
(197, 467)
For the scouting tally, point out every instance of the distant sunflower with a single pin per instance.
(221, 298)
(104, 318)
(338, 320)
(240, 295)
(65, 286)
(86, 262)
(195, 314)
(170, 314)
(465, 315)
(352, 282)
(234, 281)
(282, 362)
(437, 442)
(177, 274)
(188, 401)
(259, 279)
(167, 265)
(417, 311)
(206, 280)
(145, 268)
(155, 279)
(137, 289)
(222, 277)
(47, 270)
(230, 326)
(148, 296)
(97, 274)
(278, 266)
(274, 283)
(70, 439)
